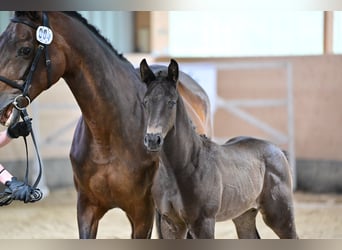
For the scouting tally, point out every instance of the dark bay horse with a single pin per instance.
(111, 170)
(199, 182)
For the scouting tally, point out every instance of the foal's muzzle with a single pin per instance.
(153, 142)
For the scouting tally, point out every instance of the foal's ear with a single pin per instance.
(173, 71)
(146, 74)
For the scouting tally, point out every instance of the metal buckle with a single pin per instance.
(17, 102)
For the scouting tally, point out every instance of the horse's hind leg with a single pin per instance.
(245, 225)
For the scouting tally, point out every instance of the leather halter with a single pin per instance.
(41, 47)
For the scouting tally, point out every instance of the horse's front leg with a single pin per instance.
(203, 228)
(141, 216)
(88, 217)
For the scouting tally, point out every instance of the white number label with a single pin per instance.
(44, 35)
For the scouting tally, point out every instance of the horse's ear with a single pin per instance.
(173, 71)
(146, 74)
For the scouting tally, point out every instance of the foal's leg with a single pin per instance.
(88, 216)
(171, 230)
(276, 199)
(203, 228)
(277, 212)
(158, 225)
(245, 225)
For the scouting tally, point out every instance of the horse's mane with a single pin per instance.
(74, 14)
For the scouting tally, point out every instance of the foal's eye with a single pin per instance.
(24, 51)
(144, 103)
(171, 103)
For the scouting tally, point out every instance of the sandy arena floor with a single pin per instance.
(317, 217)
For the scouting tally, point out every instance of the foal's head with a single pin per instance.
(159, 103)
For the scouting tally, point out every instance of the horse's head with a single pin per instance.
(30, 61)
(159, 103)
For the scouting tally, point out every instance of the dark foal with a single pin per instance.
(199, 182)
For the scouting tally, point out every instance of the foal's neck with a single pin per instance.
(182, 142)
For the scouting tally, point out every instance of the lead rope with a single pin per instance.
(26, 118)
(35, 193)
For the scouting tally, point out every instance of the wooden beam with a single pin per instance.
(142, 31)
(328, 32)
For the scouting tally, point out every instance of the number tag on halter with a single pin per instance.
(44, 35)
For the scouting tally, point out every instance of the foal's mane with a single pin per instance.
(74, 14)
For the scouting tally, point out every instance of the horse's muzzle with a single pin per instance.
(153, 142)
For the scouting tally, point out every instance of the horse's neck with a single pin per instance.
(182, 142)
(105, 86)
(102, 83)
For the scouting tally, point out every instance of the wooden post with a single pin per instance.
(328, 32)
(142, 36)
(159, 32)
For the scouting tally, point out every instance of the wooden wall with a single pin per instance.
(317, 101)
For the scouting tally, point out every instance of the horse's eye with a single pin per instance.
(24, 51)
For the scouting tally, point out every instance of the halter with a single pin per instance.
(39, 51)
(42, 46)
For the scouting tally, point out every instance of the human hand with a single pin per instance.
(19, 190)
(19, 129)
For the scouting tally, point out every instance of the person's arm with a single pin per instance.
(4, 175)
(4, 138)
(14, 131)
